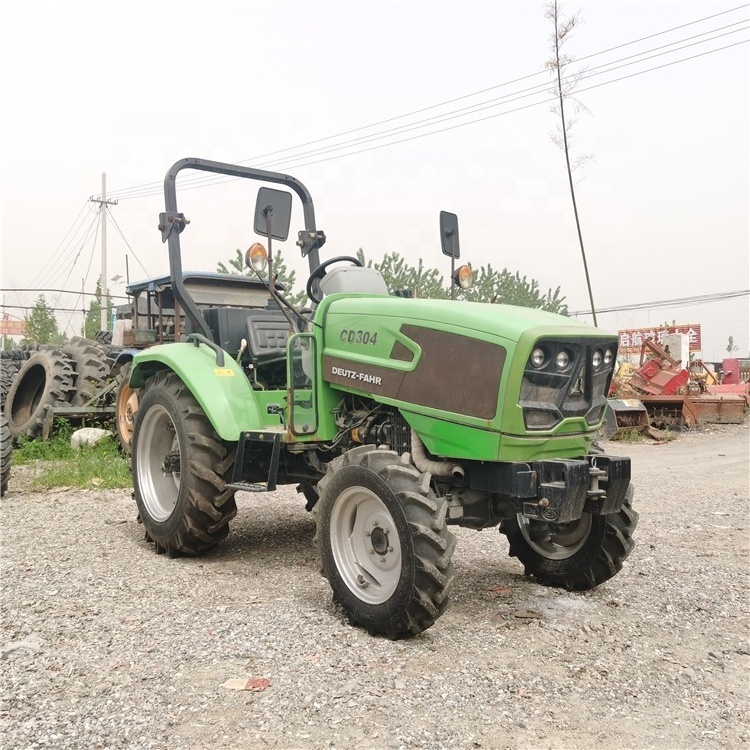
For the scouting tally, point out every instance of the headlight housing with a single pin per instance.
(566, 378)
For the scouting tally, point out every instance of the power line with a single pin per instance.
(65, 249)
(700, 299)
(61, 291)
(117, 226)
(200, 182)
(52, 269)
(482, 119)
(154, 187)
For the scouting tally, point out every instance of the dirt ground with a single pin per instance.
(105, 645)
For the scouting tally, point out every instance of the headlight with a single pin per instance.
(256, 258)
(608, 357)
(562, 360)
(596, 360)
(537, 357)
(463, 277)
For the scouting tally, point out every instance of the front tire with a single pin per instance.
(383, 542)
(580, 555)
(180, 470)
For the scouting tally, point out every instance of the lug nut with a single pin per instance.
(544, 503)
(382, 559)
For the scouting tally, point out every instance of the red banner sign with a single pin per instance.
(12, 327)
(631, 339)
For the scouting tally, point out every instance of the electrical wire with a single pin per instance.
(154, 188)
(482, 119)
(52, 270)
(55, 251)
(700, 299)
(117, 226)
(213, 180)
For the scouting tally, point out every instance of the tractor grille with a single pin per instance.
(567, 379)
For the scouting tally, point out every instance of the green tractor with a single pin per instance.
(395, 417)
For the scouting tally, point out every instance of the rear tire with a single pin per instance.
(90, 367)
(180, 467)
(5, 454)
(580, 555)
(44, 381)
(383, 542)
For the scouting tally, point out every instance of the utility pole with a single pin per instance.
(103, 203)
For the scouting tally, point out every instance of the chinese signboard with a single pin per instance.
(631, 339)
(10, 327)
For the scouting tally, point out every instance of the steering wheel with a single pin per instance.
(319, 272)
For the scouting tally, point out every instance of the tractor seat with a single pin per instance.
(267, 334)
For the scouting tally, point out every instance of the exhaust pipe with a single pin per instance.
(426, 464)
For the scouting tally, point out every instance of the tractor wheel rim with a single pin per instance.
(365, 545)
(565, 541)
(159, 488)
(127, 406)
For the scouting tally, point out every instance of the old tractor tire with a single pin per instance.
(6, 445)
(383, 542)
(11, 361)
(90, 367)
(580, 555)
(180, 470)
(126, 406)
(44, 381)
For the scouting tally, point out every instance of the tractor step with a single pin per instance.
(249, 487)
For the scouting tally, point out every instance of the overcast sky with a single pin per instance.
(128, 88)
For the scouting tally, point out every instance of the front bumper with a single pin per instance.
(559, 490)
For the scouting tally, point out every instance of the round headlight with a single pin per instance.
(256, 258)
(596, 360)
(608, 357)
(464, 277)
(562, 360)
(537, 357)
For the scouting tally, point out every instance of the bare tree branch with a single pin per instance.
(562, 28)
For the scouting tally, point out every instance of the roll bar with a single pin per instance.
(171, 224)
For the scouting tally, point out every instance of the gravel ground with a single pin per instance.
(106, 645)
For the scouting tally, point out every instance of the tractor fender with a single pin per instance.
(224, 393)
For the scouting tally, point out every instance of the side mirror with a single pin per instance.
(449, 234)
(273, 213)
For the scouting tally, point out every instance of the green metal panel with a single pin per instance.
(444, 438)
(538, 448)
(224, 392)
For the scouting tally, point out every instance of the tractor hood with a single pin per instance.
(506, 321)
(462, 363)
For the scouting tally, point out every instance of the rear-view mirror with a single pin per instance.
(273, 211)
(449, 234)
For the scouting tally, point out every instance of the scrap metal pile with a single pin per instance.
(660, 393)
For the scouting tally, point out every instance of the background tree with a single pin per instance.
(504, 287)
(281, 272)
(41, 325)
(93, 321)
(490, 285)
(398, 274)
(565, 85)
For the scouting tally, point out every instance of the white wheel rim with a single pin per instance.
(564, 543)
(159, 488)
(365, 545)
